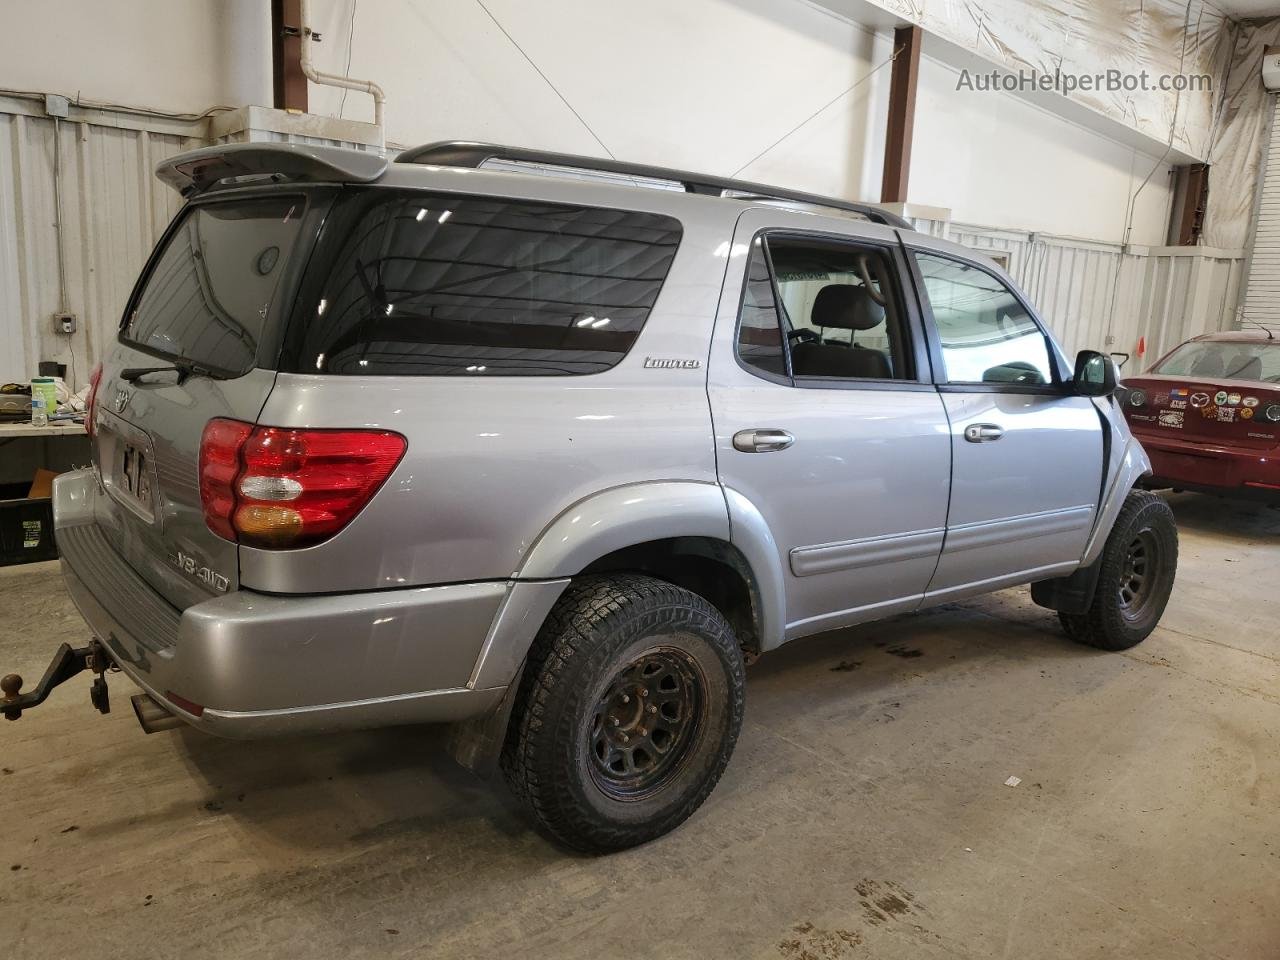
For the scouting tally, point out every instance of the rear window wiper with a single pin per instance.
(183, 368)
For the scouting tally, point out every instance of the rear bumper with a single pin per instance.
(1208, 467)
(262, 665)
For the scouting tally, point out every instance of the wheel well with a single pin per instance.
(713, 569)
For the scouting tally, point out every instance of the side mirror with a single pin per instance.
(1095, 375)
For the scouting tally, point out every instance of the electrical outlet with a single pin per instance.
(64, 323)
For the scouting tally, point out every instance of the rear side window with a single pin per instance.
(208, 294)
(430, 285)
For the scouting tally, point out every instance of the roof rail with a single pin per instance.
(461, 153)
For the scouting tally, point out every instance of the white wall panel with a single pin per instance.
(1093, 295)
(113, 210)
(1262, 297)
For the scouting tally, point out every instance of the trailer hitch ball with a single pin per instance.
(10, 684)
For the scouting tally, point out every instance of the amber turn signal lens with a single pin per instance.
(261, 526)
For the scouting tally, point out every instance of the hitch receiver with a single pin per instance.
(67, 662)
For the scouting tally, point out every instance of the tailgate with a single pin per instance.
(211, 300)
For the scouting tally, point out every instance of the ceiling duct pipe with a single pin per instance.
(334, 80)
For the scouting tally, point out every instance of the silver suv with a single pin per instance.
(549, 448)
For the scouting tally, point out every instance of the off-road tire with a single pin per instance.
(1109, 623)
(598, 631)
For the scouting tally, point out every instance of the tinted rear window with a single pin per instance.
(407, 283)
(208, 294)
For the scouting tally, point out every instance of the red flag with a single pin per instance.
(1142, 346)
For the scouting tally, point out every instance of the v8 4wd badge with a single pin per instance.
(210, 578)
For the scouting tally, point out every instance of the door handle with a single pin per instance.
(762, 441)
(983, 432)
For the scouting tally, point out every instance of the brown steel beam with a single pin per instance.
(288, 80)
(902, 114)
(1191, 198)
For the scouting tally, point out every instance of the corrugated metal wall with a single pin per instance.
(1262, 300)
(1094, 295)
(113, 211)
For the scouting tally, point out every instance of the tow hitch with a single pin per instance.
(67, 662)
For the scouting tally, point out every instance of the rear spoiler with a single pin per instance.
(197, 171)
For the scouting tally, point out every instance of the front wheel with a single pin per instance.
(1138, 565)
(627, 713)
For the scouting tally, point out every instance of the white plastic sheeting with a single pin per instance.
(1088, 37)
(1240, 139)
(1092, 295)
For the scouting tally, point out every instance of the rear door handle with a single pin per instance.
(983, 432)
(762, 441)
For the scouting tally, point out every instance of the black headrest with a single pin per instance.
(846, 306)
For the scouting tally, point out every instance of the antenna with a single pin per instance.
(1246, 320)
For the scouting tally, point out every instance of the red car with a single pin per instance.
(1208, 414)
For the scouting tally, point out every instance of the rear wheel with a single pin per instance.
(1138, 565)
(627, 712)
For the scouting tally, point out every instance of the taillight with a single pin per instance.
(90, 398)
(276, 487)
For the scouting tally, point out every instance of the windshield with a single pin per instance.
(1224, 360)
(209, 291)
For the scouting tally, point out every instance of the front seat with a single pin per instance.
(1208, 364)
(1244, 366)
(842, 306)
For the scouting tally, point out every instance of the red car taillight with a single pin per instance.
(275, 487)
(90, 398)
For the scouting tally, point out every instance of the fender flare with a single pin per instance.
(1130, 466)
(750, 533)
(591, 528)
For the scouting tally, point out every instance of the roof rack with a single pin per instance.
(461, 153)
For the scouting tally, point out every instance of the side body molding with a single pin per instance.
(592, 528)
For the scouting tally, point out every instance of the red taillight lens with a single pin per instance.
(274, 487)
(220, 447)
(90, 398)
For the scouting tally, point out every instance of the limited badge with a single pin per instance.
(1220, 397)
(1226, 415)
(1199, 400)
(1172, 418)
(1233, 399)
(1246, 413)
(1162, 399)
(1250, 401)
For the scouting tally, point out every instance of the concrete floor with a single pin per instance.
(865, 813)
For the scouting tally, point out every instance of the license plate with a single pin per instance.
(135, 476)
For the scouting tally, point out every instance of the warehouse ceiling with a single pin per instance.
(1248, 9)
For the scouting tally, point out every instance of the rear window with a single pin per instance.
(408, 283)
(207, 297)
(1224, 360)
